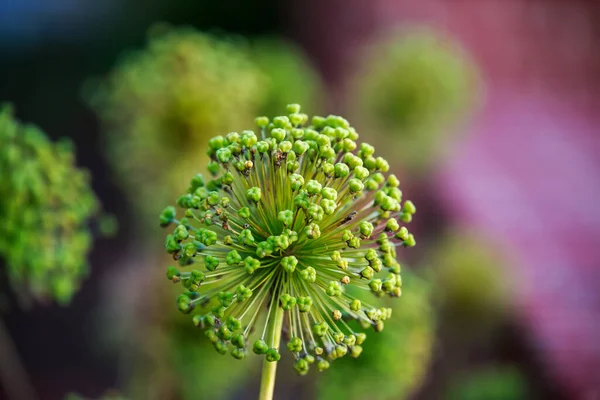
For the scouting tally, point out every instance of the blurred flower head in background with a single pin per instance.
(160, 105)
(472, 280)
(412, 89)
(290, 78)
(46, 208)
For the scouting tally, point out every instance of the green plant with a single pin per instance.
(285, 224)
(160, 105)
(46, 207)
(412, 89)
(490, 383)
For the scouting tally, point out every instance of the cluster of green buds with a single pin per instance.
(291, 218)
(46, 205)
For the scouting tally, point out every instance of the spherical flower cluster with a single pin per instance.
(160, 105)
(414, 88)
(291, 218)
(46, 204)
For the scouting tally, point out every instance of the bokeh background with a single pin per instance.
(488, 110)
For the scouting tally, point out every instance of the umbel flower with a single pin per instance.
(291, 217)
(46, 206)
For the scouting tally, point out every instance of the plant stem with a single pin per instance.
(267, 383)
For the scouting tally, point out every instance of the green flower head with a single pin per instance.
(296, 230)
(46, 206)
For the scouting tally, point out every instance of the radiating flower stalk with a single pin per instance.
(291, 217)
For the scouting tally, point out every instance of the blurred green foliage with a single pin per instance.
(412, 89)
(470, 274)
(290, 77)
(160, 105)
(490, 383)
(392, 365)
(46, 206)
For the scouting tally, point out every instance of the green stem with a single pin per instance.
(267, 383)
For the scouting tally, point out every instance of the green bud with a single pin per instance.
(355, 185)
(224, 333)
(381, 164)
(376, 285)
(402, 233)
(355, 305)
(410, 241)
(261, 122)
(312, 231)
(301, 366)
(320, 329)
(167, 216)
(180, 233)
(301, 200)
(260, 347)
(286, 216)
(184, 304)
(334, 289)
(367, 273)
(309, 274)
(341, 170)
(328, 206)
(224, 155)
(304, 303)
(295, 345)
(233, 258)
(355, 351)
(172, 272)
(262, 147)
(296, 181)
(251, 264)
(322, 365)
(285, 146)
(211, 263)
(366, 229)
(238, 353)
(221, 347)
(289, 263)
(300, 147)
(409, 207)
(315, 212)
(313, 187)
(244, 212)
(243, 293)
(278, 134)
(273, 355)
(263, 249)
(253, 194)
(225, 298)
